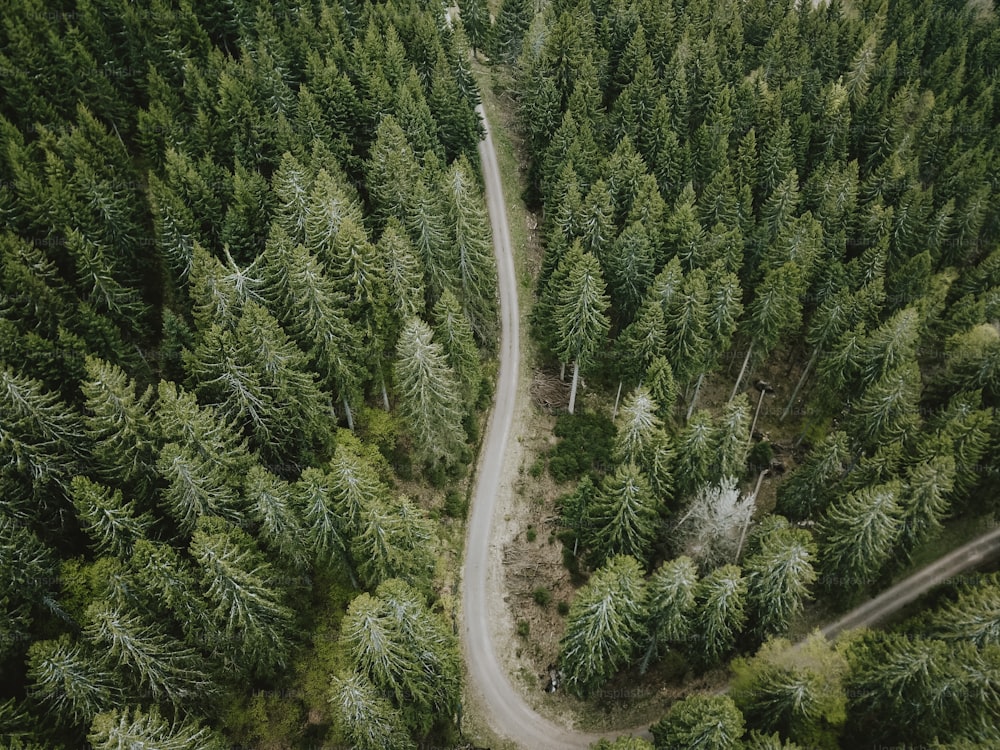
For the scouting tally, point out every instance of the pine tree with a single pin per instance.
(604, 625)
(734, 438)
(143, 654)
(973, 617)
(926, 499)
(196, 486)
(429, 398)
(888, 408)
(476, 265)
(393, 540)
(39, 434)
(808, 490)
(797, 692)
(476, 20)
(775, 310)
(671, 597)
(452, 329)
(513, 19)
(252, 621)
(69, 682)
(721, 599)
(258, 379)
(700, 722)
(116, 419)
(392, 639)
(637, 427)
(778, 577)
(168, 581)
(580, 312)
(686, 319)
(859, 534)
(111, 522)
(696, 446)
(623, 517)
(307, 301)
(324, 527)
(271, 505)
(404, 278)
(133, 729)
(369, 720)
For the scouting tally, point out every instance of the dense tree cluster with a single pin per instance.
(227, 231)
(793, 190)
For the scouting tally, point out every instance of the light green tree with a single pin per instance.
(604, 625)
(429, 397)
(367, 719)
(133, 728)
(700, 722)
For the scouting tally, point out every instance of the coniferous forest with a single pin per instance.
(771, 202)
(246, 289)
(247, 319)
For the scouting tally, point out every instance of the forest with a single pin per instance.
(248, 318)
(750, 201)
(247, 294)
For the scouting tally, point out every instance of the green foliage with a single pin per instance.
(797, 692)
(585, 446)
(700, 721)
(604, 624)
(407, 652)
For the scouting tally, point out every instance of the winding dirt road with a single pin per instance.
(500, 704)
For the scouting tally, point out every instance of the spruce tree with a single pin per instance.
(604, 625)
(429, 397)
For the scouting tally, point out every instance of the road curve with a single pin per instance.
(503, 708)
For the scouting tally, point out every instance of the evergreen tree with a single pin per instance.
(39, 434)
(392, 639)
(513, 19)
(324, 534)
(477, 24)
(477, 275)
(797, 692)
(429, 398)
(134, 728)
(926, 499)
(116, 420)
(111, 522)
(808, 490)
(700, 722)
(671, 597)
(580, 312)
(859, 535)
(369, 720)
(974, 616)
(68, 681)
(259, 380)
(252, 621)
(455, 334)
(623, 517)
(271, 505)
(604, 624)
(720, 607)
(779, 576)
(144, 656)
